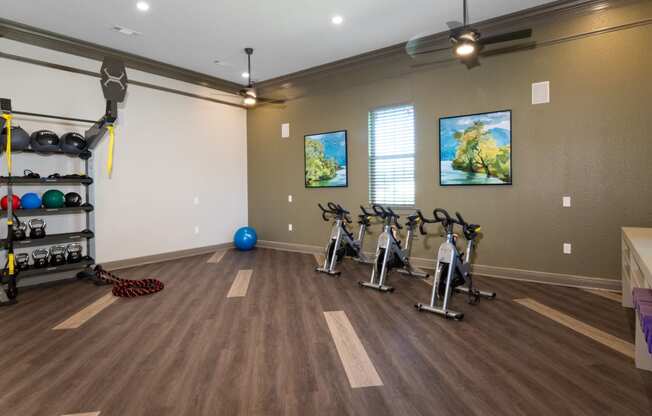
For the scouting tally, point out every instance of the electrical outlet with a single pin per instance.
(289, 198)
(568, 248)
(566, 201)
(196, 229)
(195, 200)
(289, 227)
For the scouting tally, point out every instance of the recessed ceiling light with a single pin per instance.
(143, 6)
(337, 20)
(245, 75)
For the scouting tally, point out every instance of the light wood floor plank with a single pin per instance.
(615, 343)
(357, 364)
(217, 257)
(617, 297)
(240, 284)
(87, 313)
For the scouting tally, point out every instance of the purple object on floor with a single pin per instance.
(641, 296)
(645, 316)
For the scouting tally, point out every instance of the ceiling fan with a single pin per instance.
(249, 94)
(468, 43)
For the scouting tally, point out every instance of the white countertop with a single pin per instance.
(640, 239)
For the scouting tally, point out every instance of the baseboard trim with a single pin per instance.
(296, 248)
(531, 276)
(158, 258)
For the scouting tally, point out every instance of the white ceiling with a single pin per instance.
(288, 35)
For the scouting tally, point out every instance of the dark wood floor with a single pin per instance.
(191, 351)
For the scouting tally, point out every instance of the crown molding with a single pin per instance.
(34, 36)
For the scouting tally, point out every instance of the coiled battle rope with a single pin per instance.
(126, 288)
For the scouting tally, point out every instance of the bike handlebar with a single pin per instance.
(334, 210)
(387, 214)
(470, 230)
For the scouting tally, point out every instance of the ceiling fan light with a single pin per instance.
(249, 100)
(465, 49)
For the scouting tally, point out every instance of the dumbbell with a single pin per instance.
(74, 253)
(20, 231)
(57, 255)
(22, 261)
(37, 228)
(41, 258)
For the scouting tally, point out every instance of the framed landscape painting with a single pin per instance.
(476, 149)
(325, 160)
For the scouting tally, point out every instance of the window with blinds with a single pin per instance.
(392, 156)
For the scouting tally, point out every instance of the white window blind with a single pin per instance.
(391, 156)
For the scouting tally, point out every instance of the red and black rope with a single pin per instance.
(129, 288)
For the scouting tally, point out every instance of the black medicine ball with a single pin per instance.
(19, 138)
(45, 141)
(73, 143)
(73, 199)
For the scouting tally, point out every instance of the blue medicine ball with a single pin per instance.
(245, 238)
(30, 201)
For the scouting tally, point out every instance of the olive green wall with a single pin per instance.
(592, 142)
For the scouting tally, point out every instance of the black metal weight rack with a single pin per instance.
(113, 80)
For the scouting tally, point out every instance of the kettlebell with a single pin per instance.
(37, 228)
(40, 256)
(57, 255)
(20, 231)
(74, 251)
(22, 261)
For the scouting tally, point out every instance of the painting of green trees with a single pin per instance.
(326, 160)
(476, 149)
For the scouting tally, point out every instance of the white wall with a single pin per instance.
(169, 149)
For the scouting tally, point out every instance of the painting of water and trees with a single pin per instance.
(476, 149)
(326, 160)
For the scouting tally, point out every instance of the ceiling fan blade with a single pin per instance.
(429, 51)
(224, 94)
(423, 44)
(506, 37)
(270, 100)
(454, 24)
(509, 49)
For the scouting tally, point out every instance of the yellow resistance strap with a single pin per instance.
(10, 263)
(10, 255)
(109, 161)
(8, 118)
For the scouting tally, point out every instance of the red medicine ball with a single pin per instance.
(14, 205)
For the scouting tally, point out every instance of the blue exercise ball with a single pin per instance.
(30, 201)
(245, 238)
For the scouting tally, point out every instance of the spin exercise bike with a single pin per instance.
(453, 270)
(389, 252)
(342, 242)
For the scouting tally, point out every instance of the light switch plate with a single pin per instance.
(289, 227)
(541, 92)
(289, 198)
(285, 130)
(568, 248)
(566, 202)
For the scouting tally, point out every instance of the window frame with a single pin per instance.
(369, 158)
